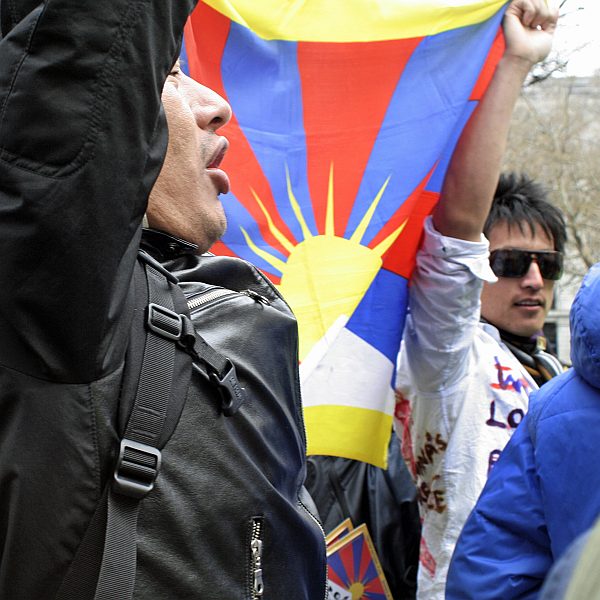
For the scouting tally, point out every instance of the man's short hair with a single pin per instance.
(520, 201)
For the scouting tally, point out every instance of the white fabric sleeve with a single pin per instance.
(444, 308)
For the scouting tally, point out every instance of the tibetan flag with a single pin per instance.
(345, 116)
(354, 570)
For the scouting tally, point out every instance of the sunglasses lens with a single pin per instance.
(509, 263)
(550, 265)
(515, 263)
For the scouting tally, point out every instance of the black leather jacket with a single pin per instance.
(82, 138)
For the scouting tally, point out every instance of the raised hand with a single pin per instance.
(529, 27)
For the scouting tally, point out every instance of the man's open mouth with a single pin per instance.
(219, 154)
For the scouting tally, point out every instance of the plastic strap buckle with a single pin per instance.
(136, 470)
(232, 393)
(164, 322)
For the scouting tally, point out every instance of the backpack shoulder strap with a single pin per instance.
(146, 432)
(159, 394)
(170, 349)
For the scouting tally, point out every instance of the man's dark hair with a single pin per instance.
(520, 201)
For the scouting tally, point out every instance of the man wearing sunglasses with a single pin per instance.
(527, 236)
(463, 385)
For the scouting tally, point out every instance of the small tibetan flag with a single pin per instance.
(354, 569)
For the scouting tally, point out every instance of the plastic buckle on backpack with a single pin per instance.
(136, 470)
(164, 322)
(232, 393)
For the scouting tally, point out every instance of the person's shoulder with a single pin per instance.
(548, 398)
(566, 393)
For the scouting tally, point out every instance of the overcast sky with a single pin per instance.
(576, 29)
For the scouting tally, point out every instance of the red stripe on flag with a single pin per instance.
(400, 258)
(206, 35)
(346, 90)
(333, 576)
(366, 560)
(487, 72)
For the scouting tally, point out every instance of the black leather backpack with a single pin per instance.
(283, 547)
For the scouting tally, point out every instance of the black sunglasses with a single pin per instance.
(512, 262)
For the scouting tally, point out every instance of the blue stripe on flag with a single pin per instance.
(379, 318)
(421, 117)
(271, 121)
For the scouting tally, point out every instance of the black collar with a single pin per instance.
(164, 246)
(525, 344)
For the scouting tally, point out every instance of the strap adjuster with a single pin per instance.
(164, 322)
(136, 469)
(229, 388)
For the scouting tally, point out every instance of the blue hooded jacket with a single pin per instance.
(545, 489)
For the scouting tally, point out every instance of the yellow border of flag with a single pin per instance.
(353, 20)
(339, 431)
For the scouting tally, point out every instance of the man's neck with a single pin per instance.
(532, 353)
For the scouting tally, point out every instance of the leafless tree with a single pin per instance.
(555, 137)
(556, 62)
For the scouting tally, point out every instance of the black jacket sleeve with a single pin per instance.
(82, 139)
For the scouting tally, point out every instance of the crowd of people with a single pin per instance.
(151, 448)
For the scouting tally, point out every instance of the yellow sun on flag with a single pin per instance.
(325, 276)
(357, 590)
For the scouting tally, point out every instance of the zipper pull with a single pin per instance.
(256, 296)
(256, 550)
(258, 586)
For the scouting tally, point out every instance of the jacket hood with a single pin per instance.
(585, 328)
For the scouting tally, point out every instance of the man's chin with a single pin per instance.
(211, 237)
(526, 330)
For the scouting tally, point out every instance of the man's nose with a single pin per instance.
(210, 110)
(533, 278)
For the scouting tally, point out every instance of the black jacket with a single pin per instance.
(82, 138)
(383, 499)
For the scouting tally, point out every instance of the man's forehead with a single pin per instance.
(519, 235)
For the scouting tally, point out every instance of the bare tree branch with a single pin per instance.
(555, 137)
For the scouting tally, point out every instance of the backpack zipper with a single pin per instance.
(218, 293)
(257, 587)
(208, 296)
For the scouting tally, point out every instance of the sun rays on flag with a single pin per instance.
(325, 276)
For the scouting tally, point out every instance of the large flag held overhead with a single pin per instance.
(345, 116)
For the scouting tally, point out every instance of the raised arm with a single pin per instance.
(446, 283)
(475, 167)
(81, 144)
